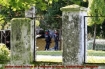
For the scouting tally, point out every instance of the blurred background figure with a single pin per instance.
(56, 39)
(5, 38)
(47, 39)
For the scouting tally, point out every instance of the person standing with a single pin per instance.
(8, 39)
(47, 39)
(56, 39)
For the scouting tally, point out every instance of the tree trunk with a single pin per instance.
(94, 37)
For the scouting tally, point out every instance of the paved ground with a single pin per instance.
(90, 59)
(40, 43)
(49, 58)
(95, 59)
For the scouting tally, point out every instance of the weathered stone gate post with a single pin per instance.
(73, 34)
(22, 41)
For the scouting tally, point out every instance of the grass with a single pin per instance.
(92, 56)
(95, 53)
(59, 53)
(95, 56)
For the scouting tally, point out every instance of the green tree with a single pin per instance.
(45, 8)
(17, 4)
(16, 8)
(96, 8)
(53, 14)
(6, 14)
(20, 4)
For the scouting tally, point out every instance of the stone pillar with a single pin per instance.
(73, 34)
(22, 39)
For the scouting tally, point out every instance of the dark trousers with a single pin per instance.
(47, 45)
(56, 45)
(8, 45)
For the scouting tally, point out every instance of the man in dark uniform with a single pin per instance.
(8, 39)
(56, 39)
(47, 39)
(5, 38)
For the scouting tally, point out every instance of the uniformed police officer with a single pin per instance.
(47, 39)
(56, 39)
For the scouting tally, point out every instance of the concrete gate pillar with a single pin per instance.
(22, 41)
(73, 34)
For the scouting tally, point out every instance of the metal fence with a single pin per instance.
(41, 26)
(40, 43)
(41, 29)
(95, 49)
(51, 54)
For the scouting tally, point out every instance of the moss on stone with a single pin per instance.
(70, 7)
(21, 43)
(31, 57)
(73, 7)
(17, 57)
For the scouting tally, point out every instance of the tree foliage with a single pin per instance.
(20, 4)
(17, 4)
(53, 14)
(49, 9)
(96, 8)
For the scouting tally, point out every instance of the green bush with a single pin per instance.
(4, 52)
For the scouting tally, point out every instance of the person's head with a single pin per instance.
(55, 31)
(47, 32)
